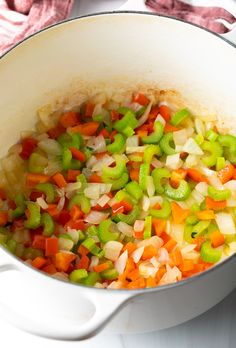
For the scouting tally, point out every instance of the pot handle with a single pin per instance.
(106, 304)
(135, 5)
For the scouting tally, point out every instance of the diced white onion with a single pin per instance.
(177, 232)
(160, 119)
(112, 250)
(180, 137)
(187, 249)
(231, 185)
(231, 202)
(91, 162)
(103, 200)
(150, 186)
(225, 223)
(95, 217)
(132, 149)
(115, 285)
(146, 269)
(163, 256)
(99, 144)
(156, 164)
(120, 263)
(154, 200)
(155, 241)
(171, 276)
(137, 254)
(139, 225)
(125, 228)
(154, 262)
(50, 146)
(197, 196)
(42, 203)
(202, 188)
(61, 204)
(74, 186)
(145, 203)
(92, 191)
(94, 262)
(74, 234)
(65, 244)
(191, 161)
(144, 117)
(215, 181)
(199, 126)
(60, 276)
(132, 141)
(174, 161)
(192, 147)
(104, 161)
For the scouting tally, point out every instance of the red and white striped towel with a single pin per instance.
(21, 18)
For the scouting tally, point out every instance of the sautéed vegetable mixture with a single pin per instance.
(121, 195)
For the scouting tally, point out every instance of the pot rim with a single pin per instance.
(118, 291)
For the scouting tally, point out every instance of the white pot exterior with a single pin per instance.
(133, 48)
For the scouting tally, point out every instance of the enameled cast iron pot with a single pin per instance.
(111, 47)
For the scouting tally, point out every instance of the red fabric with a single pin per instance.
(21, 18)
(206, 17)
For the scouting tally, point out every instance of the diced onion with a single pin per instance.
(154, 200)
(199, 126)
(150, 186)
(104, 161)
(139, 225)
(191, 161)
(137, 254)
(92, 192)
(156, 164)
(112, 250)
(197, 196)
(125, 228)
(94, 262)
(160, 119)
(202, 188)
(174, 161)
(74, 234)
(132, 149)
(42, 203)
(61, 204)
(144, 117)
(146, 269)
(115, 285)
(231, 202)
(192, 147)
(91, 162)
(171, 276)
(225, 223)
(163, 256)
(95, 217)
(154, 262)
(145, 203)
(177, 232)
(120, 263)
(60, 276)
(132, 141)
(50, 146)
(74, 186)
(187, 249)
(231, 185)
(99, 144)
(103, 200)
(154, 241)
(180, 137)
(65, 244)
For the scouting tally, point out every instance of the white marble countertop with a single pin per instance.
(216, 328)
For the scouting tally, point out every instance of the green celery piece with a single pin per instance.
(165, 144)
(179, 194)
(162, 213)
(218, 195)
(215, 150)
(158, 174)
(179, 117)
(155, 137)
(210, 254)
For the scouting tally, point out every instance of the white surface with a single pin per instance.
(215, 328)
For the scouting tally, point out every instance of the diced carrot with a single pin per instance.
(3, 218)
(34, 179)
(165, 112)
(217, 239)
(56, 131)
(88, 128)
(137, 284)
(205, 264)
(115, 115)
(186, 266)
(50, 269)
(215, 205)
(176, 176)
(133, 275)
(83, 263)
(3, 195)
(69, 119)
(138, 234)
(117, 208)
(100, 155)
(89, 109)
(141, 99)
(130, 265)
(130, 247)
(179, 214)
(170, 245)
(76, 213)
(169, 128)
(82, 250)
(142, 133)
(198, 241)
(151, 282)
(165, 237)
(59, 180)
(104, 132)
(226, 173)
(77, 154)
(95, 178)
(153, 113)
(159, 226)
(176, 257)
(52, 210)
(161, 271)
(149, 252)
(101, 267)
(39, 262)
(157, 206)
(62, 261)
(196, 176)
(77, 224)
(205, 214)
(113, 133)
(51, 246)
(72, 175)
(134, 174)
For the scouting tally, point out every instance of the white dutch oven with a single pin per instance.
(134, 48)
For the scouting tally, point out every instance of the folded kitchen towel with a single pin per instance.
(21, 18)
(205, 16)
